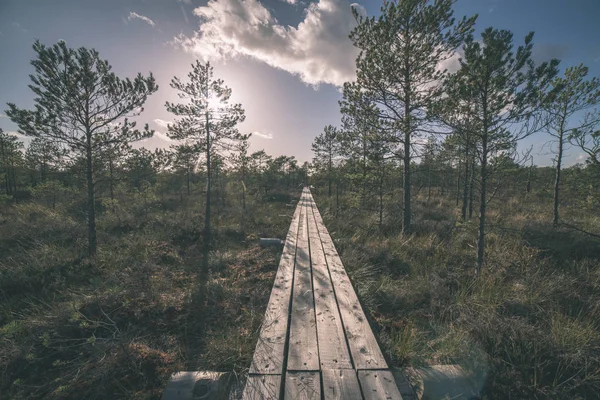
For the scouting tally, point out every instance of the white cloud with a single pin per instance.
(185, 1)
(452, 63)
(162, 123)
(165, 125)
(162, 136)
(265, 135)
(147, 20)
(318, 50)
(3, 116)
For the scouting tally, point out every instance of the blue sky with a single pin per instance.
(284, 59)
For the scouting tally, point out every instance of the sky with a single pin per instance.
(285, 60)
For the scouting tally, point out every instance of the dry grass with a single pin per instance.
(118, 329)
(528, 327)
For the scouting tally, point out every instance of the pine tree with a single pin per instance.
(184, 160)
(326, 147)
(43, 156)
(111, 158)
(589, 142)
(241, 162)
(206, 123)
(81, 105)
(10, 158)
(398, 69)
(567, 97)
(503, 91)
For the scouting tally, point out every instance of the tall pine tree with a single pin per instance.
(325, 148)
(398, 69)
(503, 89)
(206, 123)
(81, 105)
(568, 97)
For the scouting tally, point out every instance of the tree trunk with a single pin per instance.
(465, 194)
(428, 183)
(381, 200)
(557, 177)
(471, 187)
(458, 184)
(13, 174)
(43, 172)
(529, 173)
(337, 197)
(243, 200)
(14, 182)
(110, 180)
(483, 197)
(91, 200)
(329, 174)
(187, 180)
(7, 183)
(364, 172)
(406, 182)
(207, 236)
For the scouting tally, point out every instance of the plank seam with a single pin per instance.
(312, 283)
(352, 286)
(337, 304)
(286, 347)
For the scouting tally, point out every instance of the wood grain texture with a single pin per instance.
(302, 386)
(364, 348)
(341, 384)
(269, 353)
(378, 385)
(333, 349)
(260, 387)
(303, 354)
(328, 338)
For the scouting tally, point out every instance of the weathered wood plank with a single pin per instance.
(268, 355)
(378, 385)
(303, 352)
(260, 387)
(333, 350)
(341, 384)
(364, 348)
(302, 386)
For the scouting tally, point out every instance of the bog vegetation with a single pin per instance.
(119, 265)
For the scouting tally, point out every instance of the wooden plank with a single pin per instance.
(341, 384)
(262, 387)
(268, 355)
(378, 385)
(333, 350)
(303, 352)
(302, 386)
(364, 348)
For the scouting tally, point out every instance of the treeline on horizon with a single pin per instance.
(404, 121)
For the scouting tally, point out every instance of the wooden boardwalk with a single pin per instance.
(315, 341)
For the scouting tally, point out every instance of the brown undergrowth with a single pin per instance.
(117, 329)
(528, 327)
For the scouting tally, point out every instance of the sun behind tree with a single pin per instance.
(207, 126)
